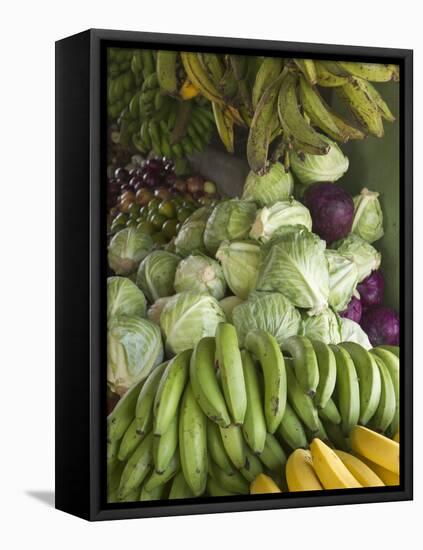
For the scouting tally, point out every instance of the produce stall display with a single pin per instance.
(251, 348)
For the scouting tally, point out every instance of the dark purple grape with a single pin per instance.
(169, 167)
(134, 181)
(150, 180)
(170, 179)
(122, 174)
(140, 171)
(153, 165)
(125, 187)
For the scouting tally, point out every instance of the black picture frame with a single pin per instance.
(81, 280)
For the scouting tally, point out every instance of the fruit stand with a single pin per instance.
(253, 289)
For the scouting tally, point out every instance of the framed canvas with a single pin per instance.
(233, 275)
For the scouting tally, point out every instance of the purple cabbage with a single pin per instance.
(381, 325)
(354, 310)
(371, 289)
(332, 210)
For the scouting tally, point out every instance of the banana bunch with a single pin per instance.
(289, 110)
(120, 81)
(374, 462)
(221, 421)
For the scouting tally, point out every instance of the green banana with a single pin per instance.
(113, 480)
(112, 453)
(391, 361)
(363, 107)
(130, 441)
(336, 436)
(144, 406)
(330, 412)
(234, 483)
(155, 494)
(266, 350)
(212, 63)
(305, 362)
(180, 488)
(326, 78)
(254, 427)
(215, 490)
(293, 122)
(132, 496)
(166, 71)
(234, 445)
(273, 456)
(320, 434)
(291, 430)
(368, 379)
(253, 467)
(148, 63)
(145, 134)
(165, 446)
(122, 415)
(225, 126)
(216, 448)
(153, 129)
(193, 442)
(137, 467)
(200, 77)
(230, 365)
(393, 349)
(347, 389)
(155, 479)
(379, 101)
(375, 72)
(308, 68)
(204, 382)
(169, 391)
(259, 136)
(301, 402)
(270, 69)
(319, 112)
(327, 373)
(385, 411)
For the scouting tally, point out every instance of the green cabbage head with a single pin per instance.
(156, 274)
(229, 220)
(134, 347)
(310, 168)
(276, 185)
(343, 279)
(240, 263)
(362, 253)
(368, 217)
(201, 274)
(187, 317)
(126, 250)
(280, 218)
(268, 311)
(295, 265)
(124, 298)
(325, 327)
(352, 332)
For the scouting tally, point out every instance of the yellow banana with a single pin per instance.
(263, 484)
(388, 477)
(299, 472)
(188, 90)
(376, 447)
(330, 470)
(363, 474)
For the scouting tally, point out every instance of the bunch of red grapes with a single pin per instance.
(154, 178)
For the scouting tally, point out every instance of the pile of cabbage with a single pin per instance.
(293, 255)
